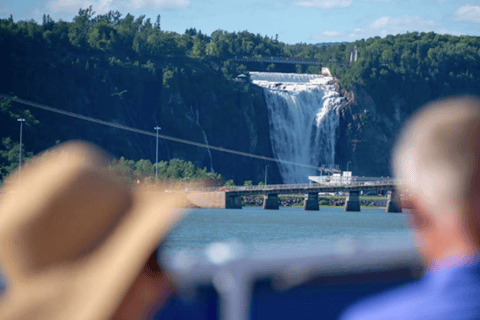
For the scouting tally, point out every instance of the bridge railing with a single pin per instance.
(290, 60)
(278, 59)
(354, 181)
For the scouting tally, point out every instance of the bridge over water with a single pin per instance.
(294, 60)
(287, 60)
(230, 197)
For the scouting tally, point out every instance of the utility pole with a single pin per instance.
(21, 120)
(266, 170)
(156, 155)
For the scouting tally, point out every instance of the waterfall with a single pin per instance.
(205, 140)
(284, 77)
(208, 149)
(303, 118)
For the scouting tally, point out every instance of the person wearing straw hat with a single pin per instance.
(76, 243)
(437, 161)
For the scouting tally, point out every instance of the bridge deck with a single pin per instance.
(358, 185)
(287, 60)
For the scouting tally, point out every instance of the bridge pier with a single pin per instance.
(394, 204)
(233, 202)
(311, 202)
(352, 204)
(270, 202)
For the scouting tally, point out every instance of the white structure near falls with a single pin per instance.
(303, 112)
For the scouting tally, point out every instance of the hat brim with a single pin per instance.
(93, 286)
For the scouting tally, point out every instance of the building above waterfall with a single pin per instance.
(241, 78)
(326, 72)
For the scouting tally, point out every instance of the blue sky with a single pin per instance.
(309, 21)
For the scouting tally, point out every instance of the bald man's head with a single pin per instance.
(437, 157)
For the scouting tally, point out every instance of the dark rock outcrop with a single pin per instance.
(365, 136)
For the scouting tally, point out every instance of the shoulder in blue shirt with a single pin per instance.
(452, 293)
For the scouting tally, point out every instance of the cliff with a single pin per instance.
(128, 71)
(366, 136)
(188, 99)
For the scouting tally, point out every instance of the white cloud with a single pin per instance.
(322, 4)
(104, 6)
(385, 26)
(467, 13)
(331, 33)
(397, 25)
(380, 23)
(160, 4)
(327, 35)
(100, 7)
(394, 25)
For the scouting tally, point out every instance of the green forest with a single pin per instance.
(136, 41)
(132, 71)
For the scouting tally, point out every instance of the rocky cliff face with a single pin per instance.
(234, 119)
(193, 103)
(366, 136)
(188, 99)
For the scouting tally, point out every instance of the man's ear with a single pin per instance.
(419, 217)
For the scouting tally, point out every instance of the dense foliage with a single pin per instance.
(137, 39)
(124, 70)
(129, 70)
(417, 67)
(143, 171)
(439, 64)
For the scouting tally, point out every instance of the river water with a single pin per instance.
(288, 229)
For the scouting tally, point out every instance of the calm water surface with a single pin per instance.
(287, 229)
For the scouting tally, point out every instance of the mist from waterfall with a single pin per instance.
(303, 112)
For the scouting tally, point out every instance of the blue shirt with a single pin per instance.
(448, 292)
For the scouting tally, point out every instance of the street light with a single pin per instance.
(266, 170)
(156, 155)
(21, 120)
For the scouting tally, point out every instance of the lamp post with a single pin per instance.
(21, 120)
(156, 155)
(266, 170)
(348, 164)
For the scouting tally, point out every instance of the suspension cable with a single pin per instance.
(144, 132)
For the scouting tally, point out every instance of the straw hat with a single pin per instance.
(73, 238)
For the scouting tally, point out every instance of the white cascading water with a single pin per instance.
(205, 140)
(303, 112)
(208, 149)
